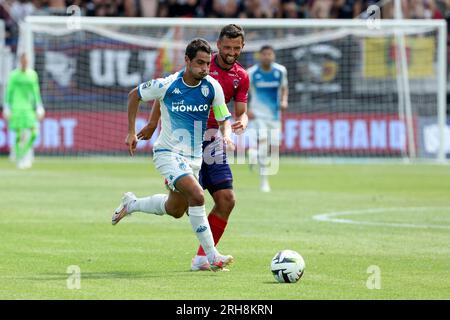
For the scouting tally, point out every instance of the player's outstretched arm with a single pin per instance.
(241, 122)
(240, 106)
(147, 91)
(133, 105)
(147, 132)
(225, 130)
(222, 115)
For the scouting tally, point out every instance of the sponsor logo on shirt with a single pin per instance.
(268, 84)
(179, 107)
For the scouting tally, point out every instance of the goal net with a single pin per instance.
(355, 89)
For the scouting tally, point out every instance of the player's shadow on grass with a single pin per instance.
(119, 275)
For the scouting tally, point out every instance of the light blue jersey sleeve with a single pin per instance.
(155, 89)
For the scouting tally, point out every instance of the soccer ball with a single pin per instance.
(287, 266)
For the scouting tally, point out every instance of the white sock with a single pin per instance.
(200, 225)
(28, 158)
(263, 153)
(154, 204)
(252, 156)
(263, 159)
(264, 179)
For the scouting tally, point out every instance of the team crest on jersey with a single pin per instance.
(236, 83)
(277, 74)
(205, 90)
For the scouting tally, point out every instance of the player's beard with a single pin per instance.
(227, 59)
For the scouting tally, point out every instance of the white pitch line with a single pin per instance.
(330, 217)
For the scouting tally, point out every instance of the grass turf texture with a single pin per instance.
(58, 214)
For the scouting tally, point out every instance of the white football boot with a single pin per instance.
(221, 262)
(122, 209)
(265, 187)
(200, 263)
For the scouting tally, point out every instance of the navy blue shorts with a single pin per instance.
(215, 173)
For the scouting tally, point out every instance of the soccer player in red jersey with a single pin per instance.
(216, 177)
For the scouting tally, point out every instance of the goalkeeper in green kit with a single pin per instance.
(22, 109)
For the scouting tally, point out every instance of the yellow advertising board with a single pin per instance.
(380, 56)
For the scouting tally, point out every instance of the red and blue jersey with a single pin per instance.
(235, 84)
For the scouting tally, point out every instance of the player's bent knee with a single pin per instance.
(176, 211)
(177, 214)
(197, 198)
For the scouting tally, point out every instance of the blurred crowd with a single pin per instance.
(13, 11)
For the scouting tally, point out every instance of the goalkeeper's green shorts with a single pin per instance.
(26, 120)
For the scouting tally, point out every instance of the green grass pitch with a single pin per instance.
(58, 215)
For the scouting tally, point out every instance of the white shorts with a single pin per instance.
(267, 129)
(173, 166)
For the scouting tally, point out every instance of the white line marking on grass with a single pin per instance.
(331, 217)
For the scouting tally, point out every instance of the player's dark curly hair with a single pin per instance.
(196, 45)
(232, 31)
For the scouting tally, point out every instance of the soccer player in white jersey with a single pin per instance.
(185, 98)
(268, 97)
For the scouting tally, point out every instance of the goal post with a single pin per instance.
(355, 89)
